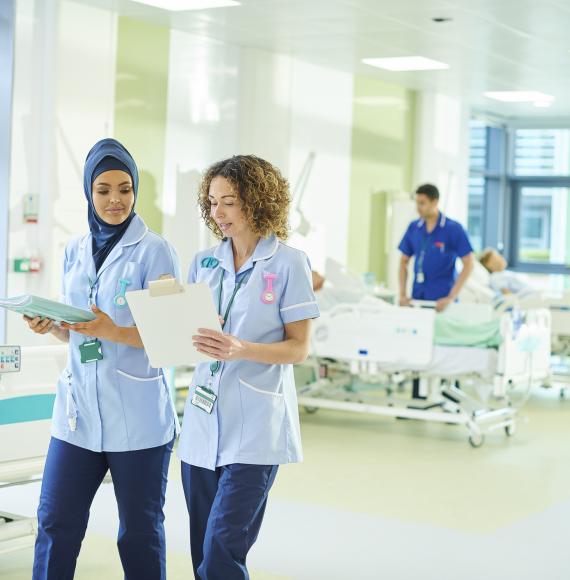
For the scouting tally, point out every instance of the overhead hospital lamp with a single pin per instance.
(299, 223)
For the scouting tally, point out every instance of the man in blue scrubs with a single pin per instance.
(436, 242)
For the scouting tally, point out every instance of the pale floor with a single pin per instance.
(378, 498)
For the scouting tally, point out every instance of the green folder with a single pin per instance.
(33, 306)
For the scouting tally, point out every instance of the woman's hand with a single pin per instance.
(220, 346)
(102, 327)
(39, 325)
(46, 325)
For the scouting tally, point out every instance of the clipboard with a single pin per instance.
(167, 315)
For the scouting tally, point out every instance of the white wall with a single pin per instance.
(202, 127)
(63, 103)
(265, 105)
(222, 100)
(442, 150)
(321, 121)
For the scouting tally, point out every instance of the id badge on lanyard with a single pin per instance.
(204, 399)
(420, 276)
(91, 351)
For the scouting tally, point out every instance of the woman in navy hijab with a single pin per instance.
(113, 411)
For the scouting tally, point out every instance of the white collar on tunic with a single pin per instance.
(441, 223)
(265, 249)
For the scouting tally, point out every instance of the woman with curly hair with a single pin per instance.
(241, 419)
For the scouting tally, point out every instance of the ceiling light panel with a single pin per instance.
(519, 96)
(406, 63)
(181, 5)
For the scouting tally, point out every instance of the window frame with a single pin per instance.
(502, 191)
(516, 184)
(494, 175)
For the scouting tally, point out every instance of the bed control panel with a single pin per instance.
(10, 359)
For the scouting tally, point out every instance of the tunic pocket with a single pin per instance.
(263, 414)
(146, 405)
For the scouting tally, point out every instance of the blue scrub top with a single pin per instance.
(120, 403)
(255, 419)
(441, 248)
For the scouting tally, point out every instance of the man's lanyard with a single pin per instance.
(424, 246)
(423, 250)
(215, 366)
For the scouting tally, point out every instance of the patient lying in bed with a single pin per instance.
(500, 279)
(340, 287)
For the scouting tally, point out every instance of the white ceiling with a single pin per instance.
(490, 45)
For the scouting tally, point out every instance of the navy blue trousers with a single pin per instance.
(71, 478)
(226, 508)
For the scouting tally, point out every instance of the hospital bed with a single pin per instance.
(26, 403)
(558, 303)
(354, 345)
(342, 286)
(478, 291)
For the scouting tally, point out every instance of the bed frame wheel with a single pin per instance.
(510, 430)
(311, 410)
(476, 440)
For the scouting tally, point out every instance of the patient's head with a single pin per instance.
(492, 260)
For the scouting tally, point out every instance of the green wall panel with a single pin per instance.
(141, 107)
(382, 159)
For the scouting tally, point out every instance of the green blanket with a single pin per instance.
(451, 331)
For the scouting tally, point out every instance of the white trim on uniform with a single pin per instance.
(441, 223)
(271, 253)
(124, 374)
(298, 305)
(249, 386)
(137, 241)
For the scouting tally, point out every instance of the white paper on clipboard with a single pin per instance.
(168, 315)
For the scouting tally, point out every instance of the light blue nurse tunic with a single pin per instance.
(255, 419)
(119, 403)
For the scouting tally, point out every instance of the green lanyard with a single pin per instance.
(215, 366)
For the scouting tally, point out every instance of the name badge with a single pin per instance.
(91, 351)
(204, 399)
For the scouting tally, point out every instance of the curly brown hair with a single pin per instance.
(261, 189)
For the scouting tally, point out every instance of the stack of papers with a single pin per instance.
(33, 306)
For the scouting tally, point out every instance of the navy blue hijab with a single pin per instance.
(106, 155)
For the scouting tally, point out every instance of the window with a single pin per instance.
(475, 212)
(526, 212)
(477, 145)
(540, 152)
(544, 217)
(477, 169)
(487, 173)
